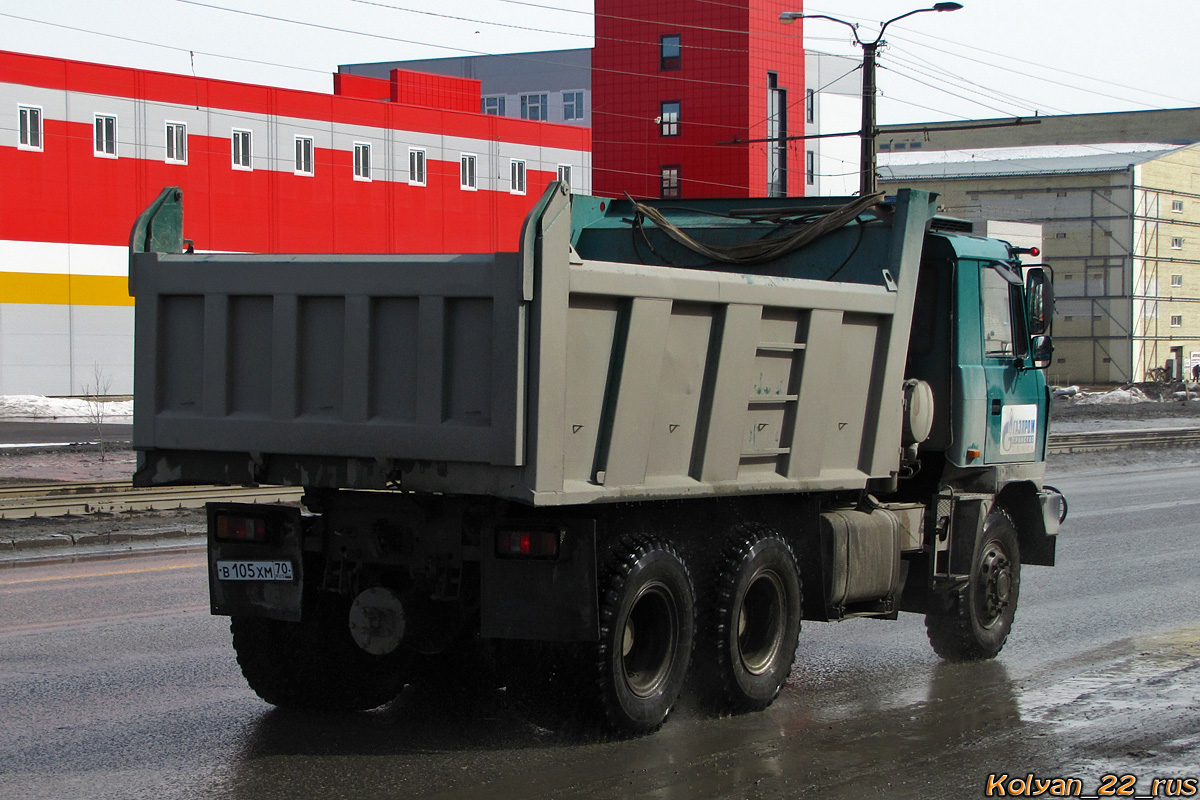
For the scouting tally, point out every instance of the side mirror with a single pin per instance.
(1039, 299)
(1041, 351)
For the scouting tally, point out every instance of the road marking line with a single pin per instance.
(34, 627)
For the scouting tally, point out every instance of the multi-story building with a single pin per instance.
(405, 163)
(685, 98)
(551, 86)
(682, 98)
(1121, 228)
(832, 105)
(714, 81)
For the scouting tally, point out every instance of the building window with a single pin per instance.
(176, 143)
(564, 174)
(516, 175)
(1176, 320)
(669, 181)
(304, 155)
(494, 105)
(362, 161)
(1177, 206)
(810, 105)
(416, 167)
(1177, 280)
(31, 128)
(810, 167)
(777, 132)
(670, 50)
(241, 150)
(572, 105)
(1060, 235)
(1176, 242)
(466, 172)
(669, 118)
(533, 106)
(106, 136)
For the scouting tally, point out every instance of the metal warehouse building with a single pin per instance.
(1121, 220)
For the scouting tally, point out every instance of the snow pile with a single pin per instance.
(1117, 397)
(64, 409)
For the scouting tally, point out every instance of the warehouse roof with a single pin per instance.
(1056, 160)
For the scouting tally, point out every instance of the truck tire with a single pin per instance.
(314, 664)
(756, 621)
(647, 617)
(979, 626)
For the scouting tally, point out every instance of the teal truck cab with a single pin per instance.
(651, 442)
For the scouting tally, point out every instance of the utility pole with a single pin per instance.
(867, 180)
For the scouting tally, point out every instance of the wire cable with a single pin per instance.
(761, 250)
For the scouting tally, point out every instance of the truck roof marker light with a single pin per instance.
(1027, 251)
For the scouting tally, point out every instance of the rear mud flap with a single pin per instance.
(257, 579)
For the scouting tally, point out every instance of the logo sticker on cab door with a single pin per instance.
(1019, 430)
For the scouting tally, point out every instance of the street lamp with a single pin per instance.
(867, 184)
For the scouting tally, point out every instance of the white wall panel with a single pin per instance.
(56, 258)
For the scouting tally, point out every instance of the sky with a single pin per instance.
(992, 58)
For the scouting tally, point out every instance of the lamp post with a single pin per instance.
(867, 183)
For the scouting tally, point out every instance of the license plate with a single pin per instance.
(254, 570)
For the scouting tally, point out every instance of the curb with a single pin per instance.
(67, 545)
(69, 539)
(38, 448)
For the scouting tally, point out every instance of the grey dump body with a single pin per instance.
(563, 374)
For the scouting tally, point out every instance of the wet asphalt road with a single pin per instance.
(116, 683)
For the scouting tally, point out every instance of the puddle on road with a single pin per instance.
(1134, 711)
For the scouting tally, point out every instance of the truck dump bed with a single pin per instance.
(581, 369)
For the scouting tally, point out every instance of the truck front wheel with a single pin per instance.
(979, 626)
(647, 611)
(757, 620)
(314, 664)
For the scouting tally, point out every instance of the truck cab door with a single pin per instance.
(1017, 404)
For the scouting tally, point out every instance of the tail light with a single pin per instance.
(527, 543)
(232, 527)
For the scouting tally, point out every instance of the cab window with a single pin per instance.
(997, 314)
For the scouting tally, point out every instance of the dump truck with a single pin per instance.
(656, 439)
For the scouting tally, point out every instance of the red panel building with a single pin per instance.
(403, 164)
(673, 82)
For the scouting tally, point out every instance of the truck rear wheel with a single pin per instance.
(980, 625)
(756, 620)
(314, 664)
(647, 611)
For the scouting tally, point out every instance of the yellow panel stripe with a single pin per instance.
(79, 290)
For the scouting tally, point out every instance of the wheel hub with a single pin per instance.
(995, 574)
(761, 621)
(377, 621)
(648, 640)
